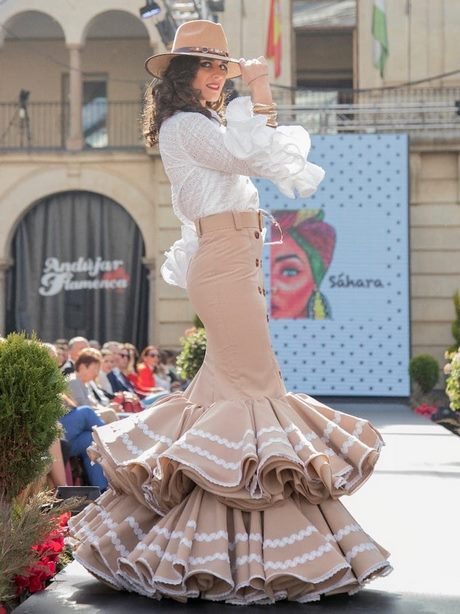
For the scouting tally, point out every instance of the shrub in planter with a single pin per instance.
(455, 328)
(30, 406)
(192, 355)
(424, 371)
(452, 370)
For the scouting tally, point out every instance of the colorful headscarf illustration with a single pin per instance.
(317, 239)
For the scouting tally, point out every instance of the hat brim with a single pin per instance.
(157, 64)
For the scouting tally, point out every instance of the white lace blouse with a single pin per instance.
(209, 166)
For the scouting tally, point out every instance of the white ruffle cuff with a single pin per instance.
(278, 154)
(174, 268)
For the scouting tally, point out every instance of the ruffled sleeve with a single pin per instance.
(174, 268)
(277, 154)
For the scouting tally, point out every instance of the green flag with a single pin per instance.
(379, 33)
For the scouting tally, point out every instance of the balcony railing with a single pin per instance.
(425, 113)
(45, 125)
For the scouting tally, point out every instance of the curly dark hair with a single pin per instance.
(173, 93)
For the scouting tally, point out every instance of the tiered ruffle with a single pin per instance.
(234, 502)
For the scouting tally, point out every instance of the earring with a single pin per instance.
(318, 307)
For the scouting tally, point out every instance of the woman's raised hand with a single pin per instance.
(255, 75)
(254, 69)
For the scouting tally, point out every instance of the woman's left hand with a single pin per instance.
(252, 70)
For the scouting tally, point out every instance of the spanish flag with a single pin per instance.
(274, 35)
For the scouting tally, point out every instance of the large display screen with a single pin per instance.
(338, 285)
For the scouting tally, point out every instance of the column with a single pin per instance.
(152, 332)
(4, 266)
(75, 137)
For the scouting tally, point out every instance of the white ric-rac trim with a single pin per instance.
(290, 539)
(358, 549)
(119, 547)
(273, 440)
(155, 436)
(328, 431)
(234, 445)
(348, 444)
(350, 528)
(135, 527)
(212, 457)
(287, 563)
(194, 560)
(130, 445)
(359, 428)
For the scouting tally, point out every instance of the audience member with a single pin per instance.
(117, 377)
(76, 345)
(108, 363)
(81, 390)
(78, 424)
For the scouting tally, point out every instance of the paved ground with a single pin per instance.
(411, 506)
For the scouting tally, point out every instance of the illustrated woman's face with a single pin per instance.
(291, 280)
(210, 79)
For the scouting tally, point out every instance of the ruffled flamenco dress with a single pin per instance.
(230, 491)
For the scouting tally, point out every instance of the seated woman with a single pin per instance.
(146, 381)
(82, 387)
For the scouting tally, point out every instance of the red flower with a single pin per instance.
(36, 577)
(425, 410)
(64, 518)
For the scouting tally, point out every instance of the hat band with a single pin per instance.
(201, 50)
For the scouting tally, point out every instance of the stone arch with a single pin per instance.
(42, 183)
(11, 16)
(137, 24)
(75, 23)
(78, 31)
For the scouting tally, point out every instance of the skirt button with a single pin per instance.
(260, 289)
(257, 234)
(257, 262)
(263, 292)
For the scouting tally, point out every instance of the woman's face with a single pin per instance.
(108, 363)
(210, 79)
(291, 280)
(151, 358)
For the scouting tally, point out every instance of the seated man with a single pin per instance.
(76, 345)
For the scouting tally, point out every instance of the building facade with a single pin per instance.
(82, 64)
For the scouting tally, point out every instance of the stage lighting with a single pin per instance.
(216, 6)
(167, 29)
(150, 9)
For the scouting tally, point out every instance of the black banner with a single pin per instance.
(78, 271)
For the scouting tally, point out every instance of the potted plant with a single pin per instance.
(424, 374)
(193, 345)
(449, 417)
(31, 537)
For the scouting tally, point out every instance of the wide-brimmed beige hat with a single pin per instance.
(199, 38)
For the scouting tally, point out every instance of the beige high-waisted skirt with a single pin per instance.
(230, 490)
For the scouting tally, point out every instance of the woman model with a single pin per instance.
(230, 490)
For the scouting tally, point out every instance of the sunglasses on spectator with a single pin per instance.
(153, 354)
(123, 355)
